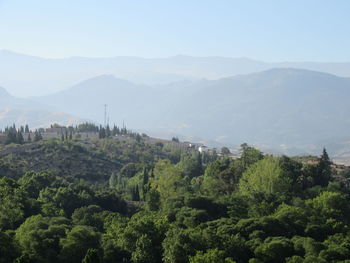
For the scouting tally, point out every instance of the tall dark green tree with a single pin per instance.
(324, 169)
(19, 138)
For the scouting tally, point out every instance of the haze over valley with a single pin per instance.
(279, 107)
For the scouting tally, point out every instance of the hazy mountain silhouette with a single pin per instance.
(26, 111)
(24, 75)
(278, 108)
(125, 100)
(287, 107)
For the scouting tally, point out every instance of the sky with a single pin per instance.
(268, 30)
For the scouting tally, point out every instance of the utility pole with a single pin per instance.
(105, 119)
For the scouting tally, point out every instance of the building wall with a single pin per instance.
(85, 135)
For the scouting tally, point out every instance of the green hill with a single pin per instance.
(91, 160)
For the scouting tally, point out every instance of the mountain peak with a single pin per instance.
(106, 79)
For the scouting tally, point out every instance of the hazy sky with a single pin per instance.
(279, 30)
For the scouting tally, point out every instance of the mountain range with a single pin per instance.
(25, 75)
(284, 110)
(27, 111)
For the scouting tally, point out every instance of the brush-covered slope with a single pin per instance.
(91, 160)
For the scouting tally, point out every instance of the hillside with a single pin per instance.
(277, 107)
(125, 100)
(90, 160)
(21, 111)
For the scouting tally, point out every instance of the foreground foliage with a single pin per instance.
(131, 202)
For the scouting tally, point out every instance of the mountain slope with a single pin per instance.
(25, 111)
(126, 101)
(280, 108)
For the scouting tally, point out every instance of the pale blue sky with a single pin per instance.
(270, 30)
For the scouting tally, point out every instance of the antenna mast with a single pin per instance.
(105, 119)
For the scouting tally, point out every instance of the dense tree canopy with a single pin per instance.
(101, 201)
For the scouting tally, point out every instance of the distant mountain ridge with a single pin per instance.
(289, 110)
(285, 110)
(26, 111)
(25, 75)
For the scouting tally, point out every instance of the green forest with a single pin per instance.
(102, 200)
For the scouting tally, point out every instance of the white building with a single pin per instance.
(203, 149)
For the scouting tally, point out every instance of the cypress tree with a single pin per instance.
(108, 131)
(324, 169)
(137, 194)
(19, 138)
(113, 180)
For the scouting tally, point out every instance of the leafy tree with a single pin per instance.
(337, 248)
(190, 166)
(330, 205)
(153, 200)
(190, 217)
(77, 243)
(274, 249)
(178, 246)
(295, 259)
(212, 255)
(292, 169)
(294, 218)
(8, 251)
(148, 233)
(144, 251)
(15, 205)
(110, 200)
(306, 246)
(91, 215)
(250, 155)
(219, 178)
(67, 199)
(91, 256)
(39, 236)
(225, 151)
(167, 180)
(33, 182)
(265, 176)
(112, 253)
